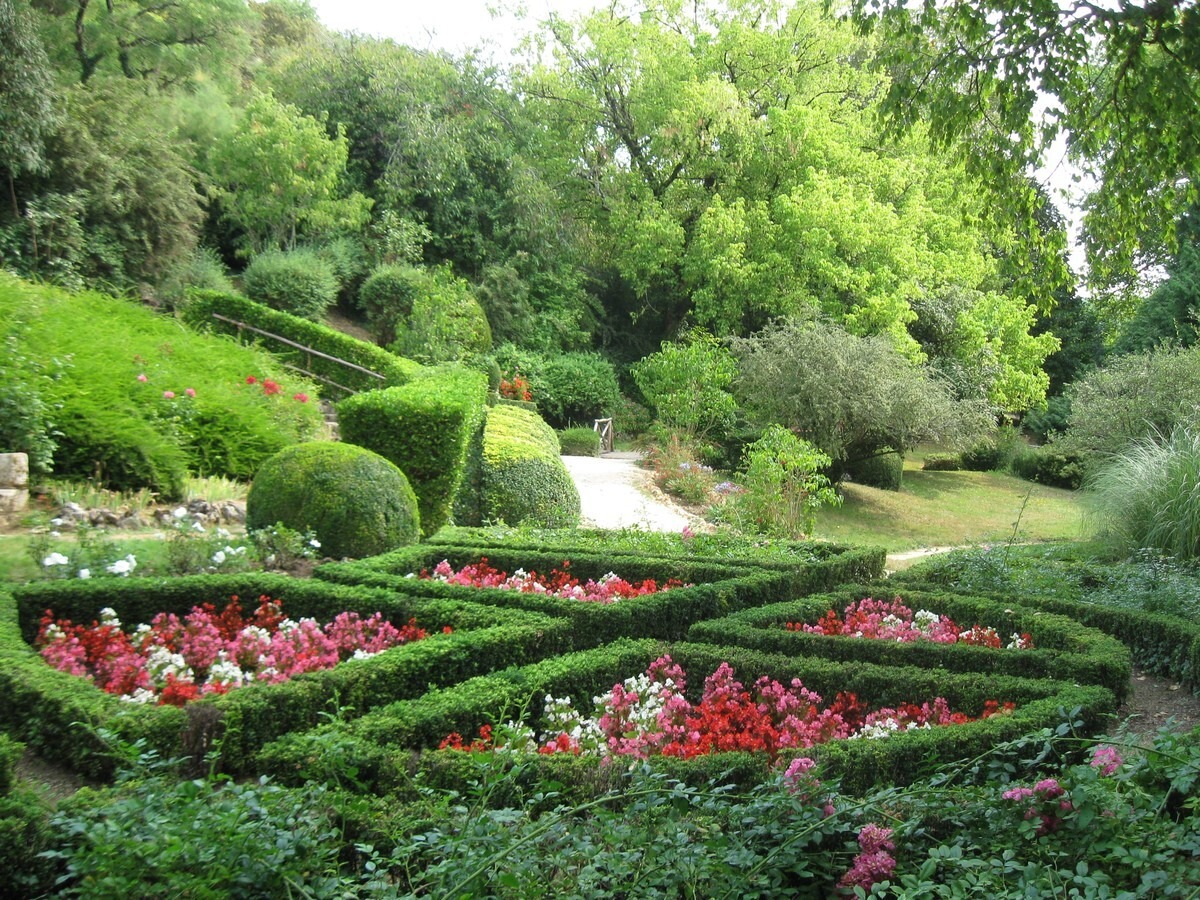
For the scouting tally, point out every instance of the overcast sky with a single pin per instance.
(454, 25)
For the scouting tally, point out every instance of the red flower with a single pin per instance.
(250, 379)
(303, 398)
(270, 387)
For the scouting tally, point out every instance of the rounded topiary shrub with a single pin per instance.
(885, 471)
(299, 282)
(579, 442)
(522, 478)
(356, 502)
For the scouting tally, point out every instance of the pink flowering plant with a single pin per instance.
(609, 588)
(649, 715)
(173, 660)
(892, 620)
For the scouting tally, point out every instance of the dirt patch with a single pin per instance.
(1154, 702)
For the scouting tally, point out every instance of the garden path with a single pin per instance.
(614, 492)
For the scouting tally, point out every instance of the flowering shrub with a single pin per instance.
(891, 620)
(649, 715)
(516, 389)
(609, 589)
(173, 660)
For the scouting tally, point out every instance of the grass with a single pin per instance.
(939, 509)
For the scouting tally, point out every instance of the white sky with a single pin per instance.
(453, 25)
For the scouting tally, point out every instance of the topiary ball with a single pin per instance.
(356, 502)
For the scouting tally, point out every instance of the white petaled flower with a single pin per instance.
(55, 559)
(219, 557)
(225, 671)
(881, 729)
(85, 573)
(108, 616)
(363, 654)
(120, 567)
(141, 695)
(892, 621)
(315, 544)
(161, 662)
(54, 633)
(925, 620)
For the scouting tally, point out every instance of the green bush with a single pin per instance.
(297, 281)
(392, 369)
(1049, 420)
(687, 384)
(579, 441)
(204, 271)
(942, 462)
(427, 314)
(575, 388)
(426, 429)
(387, 297)
(985, 456)
(1049, 465)
(356, 502)
(885, 471)
(522, 477)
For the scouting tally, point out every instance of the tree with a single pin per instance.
(999, 80)
(687, 384)
(853, 397)
(27, 107)
(277, 176)
(726, 160)
(1171, 314)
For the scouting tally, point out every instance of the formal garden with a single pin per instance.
(295, 600)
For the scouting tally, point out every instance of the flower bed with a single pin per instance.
(892, 620)
(650, 715)
(173, 661)
(608, 588)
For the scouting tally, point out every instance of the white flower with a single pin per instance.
(141, 695)
(85, 573)
(108, 616)
(219, 557)
(120, 567)
(315, 544)
(55, 559)
(362, 654)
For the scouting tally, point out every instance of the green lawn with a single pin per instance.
(938, 509)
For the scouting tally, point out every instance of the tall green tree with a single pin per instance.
(278, 177)
(1000, 80)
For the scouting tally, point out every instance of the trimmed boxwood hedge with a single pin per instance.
(379, 744)
(395, 369)
(522, 477)
(426, 429)
(810, 565)
(1063, 648)
(357, 502)
(59, 714)
(716, 589)
(1159, 643)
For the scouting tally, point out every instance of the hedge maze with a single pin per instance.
(382, 718)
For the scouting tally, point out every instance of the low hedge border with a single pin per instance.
(1159, 643)
(47, 702)
(380, 745)
(1063, 649)
(717, 590)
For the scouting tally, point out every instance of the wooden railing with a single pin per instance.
(605, 427)
(309, 354)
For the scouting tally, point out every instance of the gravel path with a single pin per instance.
(615, 493)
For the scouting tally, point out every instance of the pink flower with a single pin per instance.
(142, 377)
(168, 395)
(874, 862)
(250, 379)
(191, 392)
(303, 398)
(1106, 759)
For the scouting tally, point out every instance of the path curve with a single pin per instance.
(614, 492)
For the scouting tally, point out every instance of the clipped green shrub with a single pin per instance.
(426, 429)
(522, 478)
(355, 501)
(942, 462)
(575, 388)
(579, 441)
(885, 471)
(386, 296)
(1049, 465)
(984, 456)
(391, 370)
(297, 281)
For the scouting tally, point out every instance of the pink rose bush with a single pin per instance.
(608, 589)
(174, 660)
(892, 620)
